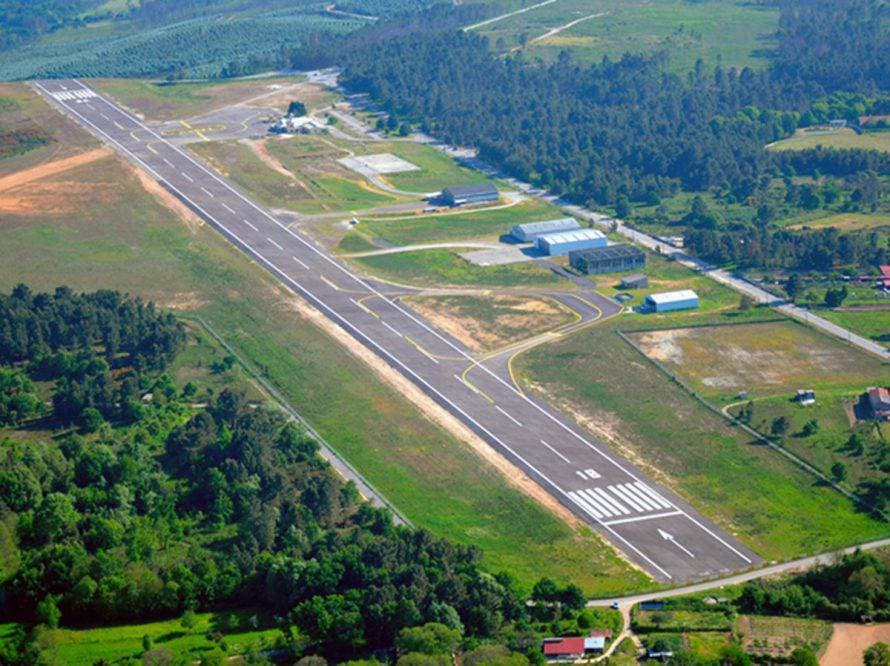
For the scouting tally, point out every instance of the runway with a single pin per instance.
(650, 524)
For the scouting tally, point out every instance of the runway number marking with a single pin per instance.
(588, 474)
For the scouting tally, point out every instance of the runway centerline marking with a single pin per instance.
(228, 208)
(365, 308)
(555, 451)
(187, 177)
(507, 415)
(254, 228)
(274, 243)
(422, 350)
(207, 192)
(294, 258)
(391, 328)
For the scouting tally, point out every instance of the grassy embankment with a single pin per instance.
(753, 492)
(842, 138)
(728, 31)
(121, 237)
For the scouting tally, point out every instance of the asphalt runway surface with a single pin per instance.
(654, 527)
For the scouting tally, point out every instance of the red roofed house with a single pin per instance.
(573, 647)
(879, 399)
(885, 276)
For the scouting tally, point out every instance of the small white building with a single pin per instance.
(684, 299)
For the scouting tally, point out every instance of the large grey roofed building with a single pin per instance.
(531, 230)
(467, 194)
(673, 300)
(611, 259)
(567, 241)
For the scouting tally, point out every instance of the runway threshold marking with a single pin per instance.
(555, 451)
(637, 519)
(365, 308)
(383, 351)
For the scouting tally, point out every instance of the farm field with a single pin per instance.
(727, 31)
(838, 138)
(777, 637)
(121, 236)
(486, 323)
(440, 268)
(753, 492)
(457, 225)
(769, 362)
(315, 191)
(183, 99)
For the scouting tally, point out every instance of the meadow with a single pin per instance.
(721, 31)
(120, 236)
(843, 138)
(753, 492)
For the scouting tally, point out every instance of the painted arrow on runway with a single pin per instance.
(670, 537)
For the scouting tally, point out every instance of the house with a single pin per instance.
(685, 299)
(530, 231)
(460, 195)
(879, 400)
(806, 397)
(837, 122)
(571, 648)
(570, 241)
(634, 281)
(884, 280)
(610, 259)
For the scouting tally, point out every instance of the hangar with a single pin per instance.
(685, 299)
(569, 241)
(532, 230)
(470, 194)
(611, 259)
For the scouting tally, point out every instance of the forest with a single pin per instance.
(191, 501)
(629, 129)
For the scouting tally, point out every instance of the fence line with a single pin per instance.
(327, 451)
(800, 462)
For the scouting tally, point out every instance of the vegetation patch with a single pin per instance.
(777, 637)
(841, 138)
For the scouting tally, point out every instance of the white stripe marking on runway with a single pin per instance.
(228, 208)
(580, 501)
(294, 258)
(637, 519)
(187, 177)
(592, 473)
(654, 495)
(508, 416)
(207, 192)
(255, 229)
(274, 243)
(634, 504)
(605, 509)
(641, 497)
(555, 451)
(390, 328)
(611, 501)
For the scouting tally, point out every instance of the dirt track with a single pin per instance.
(849, 641)
(51, 168)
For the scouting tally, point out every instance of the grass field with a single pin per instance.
(303, 191)
(769, 362)
(874, 324)
(455, 225)
(836, 138)
(124, 239)
(485, 323)
(728, 31)
(753, 492)
(439, 268)
(174, 101)
(847, 221)
(83, 647)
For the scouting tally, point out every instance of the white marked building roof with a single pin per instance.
(563, 224)
(673, 296)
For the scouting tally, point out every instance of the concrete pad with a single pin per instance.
(382, 163)
(508, 254)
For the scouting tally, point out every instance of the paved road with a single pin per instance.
(651, 525)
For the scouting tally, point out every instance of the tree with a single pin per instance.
(877, 655)
(296, 108)
(188, 619)
(835, 297)
(734, 655)
(147, 643)
(793, 286)
(91, 420)
(48, 613)
(810, 428)
(55, 518)
(779, 426)
(838, 472)
(622, 208)
(431, 638)
(804, 657)
(746, 303)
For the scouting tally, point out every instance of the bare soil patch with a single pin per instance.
(259, 148)
(849, 641)
(486, 323)
(48, 169)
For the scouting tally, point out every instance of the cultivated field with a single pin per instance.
(727, 31)
(777, 637)
(486, 323)
(123, 237)
(836, 138)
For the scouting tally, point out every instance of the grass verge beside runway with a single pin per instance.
(750, 490)
(439, 268)
(120, 237)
